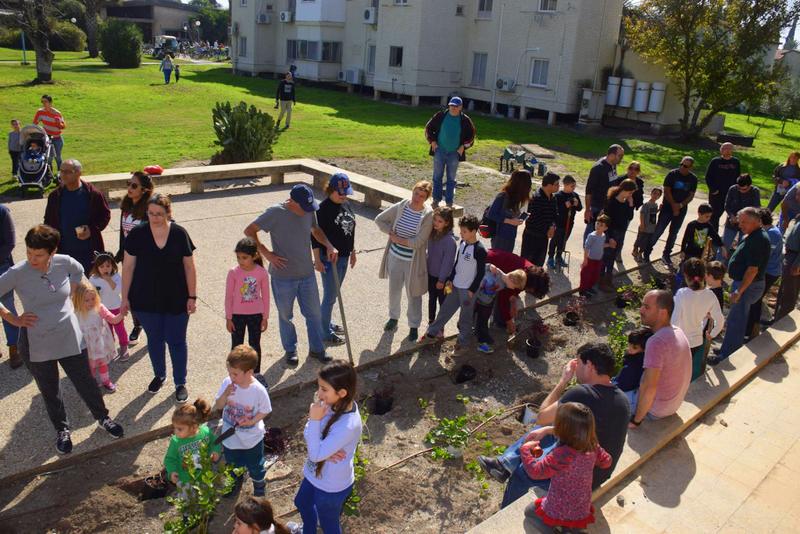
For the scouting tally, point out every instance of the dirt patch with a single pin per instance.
(420, 495)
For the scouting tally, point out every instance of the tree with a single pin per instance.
(713, 51)
(785, 103)
(213, 20)
(35, 18)
(121, 44)
(92, 15)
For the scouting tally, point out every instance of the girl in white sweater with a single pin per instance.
(332, 434)
(695, 307)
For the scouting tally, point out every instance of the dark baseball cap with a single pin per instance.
(340, 183)
(303, 195)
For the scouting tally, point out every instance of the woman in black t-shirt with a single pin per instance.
(158, 285)
(619, 207)
(335, 217)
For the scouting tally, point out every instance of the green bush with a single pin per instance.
(67, 37)
(10, 38)
(121, 44)
(244, 134)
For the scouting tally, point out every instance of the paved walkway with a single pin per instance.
(735, 471)
(215, 221)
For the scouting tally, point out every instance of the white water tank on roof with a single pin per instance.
(612, 93)
(626, 92)
(657, 93)
(642, 95)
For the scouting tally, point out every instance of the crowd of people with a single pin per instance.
(76, 295)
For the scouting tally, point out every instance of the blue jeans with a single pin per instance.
(666, 218)
(12, 332)
(58, 145)
(444, 160)
(728, 236)
(250, 459)
(519, 483)
(737, 317)
(329, 293)
(166, 329)
(284, 292)
(775, 200)
(320, 507)
(167, 73)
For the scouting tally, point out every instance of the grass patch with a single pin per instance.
(121, 119)
(10, 54)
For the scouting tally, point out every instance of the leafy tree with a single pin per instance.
(36, 20)
(714, 51)
(244, 134)
(71, 9)
(93, 8)
(121, 44)
(67, 36)
(213, 20)
(785, 104)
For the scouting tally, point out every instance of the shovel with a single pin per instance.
(225, 435)
(341, 312)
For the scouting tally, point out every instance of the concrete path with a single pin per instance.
(215, 221)
(736, 471)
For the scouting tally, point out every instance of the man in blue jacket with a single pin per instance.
(450, 133)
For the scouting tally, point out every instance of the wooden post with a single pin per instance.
(197, 186)
(276, 178)
(373, 199)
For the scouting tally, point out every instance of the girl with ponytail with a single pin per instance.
(332, 434)
(254, 515)
(189, 432)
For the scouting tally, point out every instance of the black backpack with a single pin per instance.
(488, 227)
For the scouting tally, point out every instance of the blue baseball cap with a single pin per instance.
(340, 183)
(455, 101)
(303, 195)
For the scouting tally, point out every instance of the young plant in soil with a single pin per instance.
(360, 463)
(618, 338)
(208, 485)
(574, 310)
(448, 436)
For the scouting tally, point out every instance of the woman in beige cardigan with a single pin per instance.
(408, 224)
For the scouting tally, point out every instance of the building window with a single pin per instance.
(332, 51)
(459, 11)
(539, 72)
(371, 59)
(547, 5)
(243, 3)
(401, 2)
(395, 56)
(484, 8)
(242, 46)
(269, 7)
(479, 68)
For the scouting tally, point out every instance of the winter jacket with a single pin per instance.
(467, 131)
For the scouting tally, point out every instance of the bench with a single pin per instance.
(653, 436)
(375, 191)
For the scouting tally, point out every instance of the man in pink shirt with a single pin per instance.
(667, 361)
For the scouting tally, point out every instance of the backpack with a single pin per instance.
(488, 227)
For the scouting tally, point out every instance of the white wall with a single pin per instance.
(321, 10)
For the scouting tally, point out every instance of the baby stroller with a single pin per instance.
(35, 160)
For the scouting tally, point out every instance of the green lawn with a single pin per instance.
(10, 54)
(119, 120)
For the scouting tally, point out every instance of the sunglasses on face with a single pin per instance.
(133, 185)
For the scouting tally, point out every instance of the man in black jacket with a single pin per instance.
(285, 97)
(450, 133)
(601, 176)
(721, 175)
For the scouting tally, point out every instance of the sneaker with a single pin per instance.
(333, 339)
(666, 259)
(112, 427)
(133, 339)
(337, 328)
(323, 356)
(156, 384)
(485, 348)
(434, 204)
(390, 326)
(109, 387)
(14, 358)
(181, 394)
(585, 294)
(124, 354)
(294, 528)
(562, 263)
(413, 335)
(63, 442)
(291, 358)
(551, 263)
(713, 361)
(261, 380)
(493, 468)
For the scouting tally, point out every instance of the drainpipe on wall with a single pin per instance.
(497, 59)
(597, 57)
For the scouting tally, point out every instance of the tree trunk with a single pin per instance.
(44, 62)
(41, 42)
(91, 27)
(783, 125)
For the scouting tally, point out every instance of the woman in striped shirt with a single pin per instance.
(53, 123)
(408, 224)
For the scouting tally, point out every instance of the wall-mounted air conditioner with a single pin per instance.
(370, 15)
(286, 16)
(353, 76)
(264, 18)
(505, 84)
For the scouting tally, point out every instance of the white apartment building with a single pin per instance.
(512, 56)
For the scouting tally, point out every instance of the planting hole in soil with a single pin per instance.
(571, 318)
(465, 373)
(274, 441)
(533, 347)
(381, 401)
(621, 302)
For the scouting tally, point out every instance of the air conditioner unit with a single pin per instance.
(505, 84)
(286, 16)
(353, 76)
(264, 18)
(342, 76)
(370, 15)
(235, 28)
